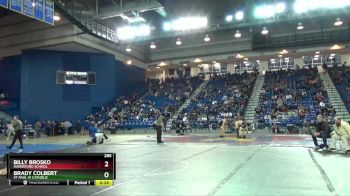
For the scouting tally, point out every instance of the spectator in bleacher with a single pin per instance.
(301, 112)
(322, 131)
(341, 132)
(275, 128)
(324, 67)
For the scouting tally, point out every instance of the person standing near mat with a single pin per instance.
(17, 126)
(224, 127)
(159, 127)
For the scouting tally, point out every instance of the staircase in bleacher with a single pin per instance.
(186, 104)
(334, 97)
(254, 99)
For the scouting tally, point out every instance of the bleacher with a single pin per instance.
(302, 86)
(224, 96)
(166, 97)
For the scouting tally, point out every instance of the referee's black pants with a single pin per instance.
(159, 133)
(18, 135)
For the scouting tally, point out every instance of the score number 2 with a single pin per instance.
(106, 174)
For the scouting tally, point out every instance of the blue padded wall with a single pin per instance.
(10, 82)
(43, 99)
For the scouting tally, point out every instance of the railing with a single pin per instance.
(87, 21)
(304, 39)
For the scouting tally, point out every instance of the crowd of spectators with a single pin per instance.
(225, 96)
(293, 97)
(165, 96)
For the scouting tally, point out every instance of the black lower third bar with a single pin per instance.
(63, 182)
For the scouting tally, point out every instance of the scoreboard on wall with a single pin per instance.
(42, 10)
(74, 169)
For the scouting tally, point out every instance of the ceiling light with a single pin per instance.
(214, 61)
(239, 56)
(162, 64)
(56, 18)
(158, 67)
(129, 62)
(130, 32)
(264, 31)
(338, 22)
(207, 38)
(229, 18)
(302, 6)
(284, 51)
(239, 15)
(186, 23)
(265, 11)
(185, 64)
(153, 45)
(332, 54)
(300, 26)
(197, 60)
(238, 34)
(128, 49)
(317, 52)
(178, 42)
(280, 55)
(258, 61)
(246, 59)
(280, 7)
(335, 47)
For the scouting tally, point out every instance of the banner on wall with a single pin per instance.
(42, 10)
(28, 8)
(49, 11)
(4, 3)
(16, 5)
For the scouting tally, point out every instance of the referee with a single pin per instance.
(17, 126)
(159, 127)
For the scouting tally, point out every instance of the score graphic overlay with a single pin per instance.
(83, 169)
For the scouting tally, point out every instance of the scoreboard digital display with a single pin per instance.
(83, 169)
